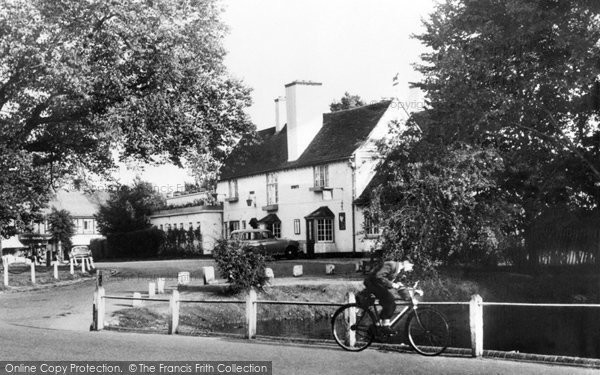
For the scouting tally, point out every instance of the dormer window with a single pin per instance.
(321, 174)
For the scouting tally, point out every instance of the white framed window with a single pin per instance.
(233, 188)
(371, 228)
(324, 230)
(243, 224)
(272, 191)
(296, 226)
(277, 230)
(321, 174)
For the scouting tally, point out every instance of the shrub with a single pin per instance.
(242, 267)
(99, 249)
(138, 244)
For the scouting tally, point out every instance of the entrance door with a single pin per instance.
(310, 238)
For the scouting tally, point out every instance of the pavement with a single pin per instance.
(53, 324)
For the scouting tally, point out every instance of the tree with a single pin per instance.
(129, 208)
(522, 77)
(511, 82)
(346, 102)
(440, 205)
(81, 80)
(62, 227)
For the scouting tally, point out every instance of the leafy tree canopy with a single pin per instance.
(62, 227)
(83, 80)
(347, 101)
(522, 77)
(511, 127)
(129, 208)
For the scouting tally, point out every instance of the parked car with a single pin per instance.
(80, 251)
(264, 241)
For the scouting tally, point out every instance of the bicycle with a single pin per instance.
(355, 326)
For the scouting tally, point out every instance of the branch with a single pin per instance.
(571, 145)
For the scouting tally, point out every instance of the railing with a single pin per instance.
(476, 305)
(87, 264)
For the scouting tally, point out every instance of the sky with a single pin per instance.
(348, 45)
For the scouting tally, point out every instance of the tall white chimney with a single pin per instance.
(280, 113)
(305, 105)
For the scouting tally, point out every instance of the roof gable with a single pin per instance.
(341, 134)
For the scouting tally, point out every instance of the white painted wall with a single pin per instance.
(209, 221)
(297, 201)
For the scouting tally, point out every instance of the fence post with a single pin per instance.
(351, 320)
(101, 308)
(251, 312)
(476, 325)
(174, 312)
(98, 310)
(56, 270)
(71, 270)
(82, 265)
(151, 289)
(5, 264)
(33, 272)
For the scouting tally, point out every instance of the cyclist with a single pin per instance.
(383, 278)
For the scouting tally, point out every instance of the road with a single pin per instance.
(53, 324)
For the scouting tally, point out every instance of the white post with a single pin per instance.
(82, 265)
(137, 299)
(297, 270)
(476, 325)
(71, 269)
(329, 269)
(160, 285)
(56, 270)
(33, 272)
(92, 263)
(151, 289)
(351, 320)
(101, 308)
(98, 317)
(209, 275)
(5, 264)
(174, 313)
(251, 313)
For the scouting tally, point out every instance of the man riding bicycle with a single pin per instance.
(381, 280)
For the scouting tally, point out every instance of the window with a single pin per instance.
(296, 226)
(243, 224)
(324, 230)
(233, 189)
(277, 230)
(233, 225)
(321, 173)
(371, 228)
(272, 193)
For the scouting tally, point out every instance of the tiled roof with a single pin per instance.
(320, 212)
(77, 203)
(341, 134)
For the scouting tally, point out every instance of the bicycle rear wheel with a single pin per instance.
(353, 327)
(428, 331)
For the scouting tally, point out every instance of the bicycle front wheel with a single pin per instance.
(428, 331)
(353, 327)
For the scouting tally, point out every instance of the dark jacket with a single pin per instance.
(384, 275)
